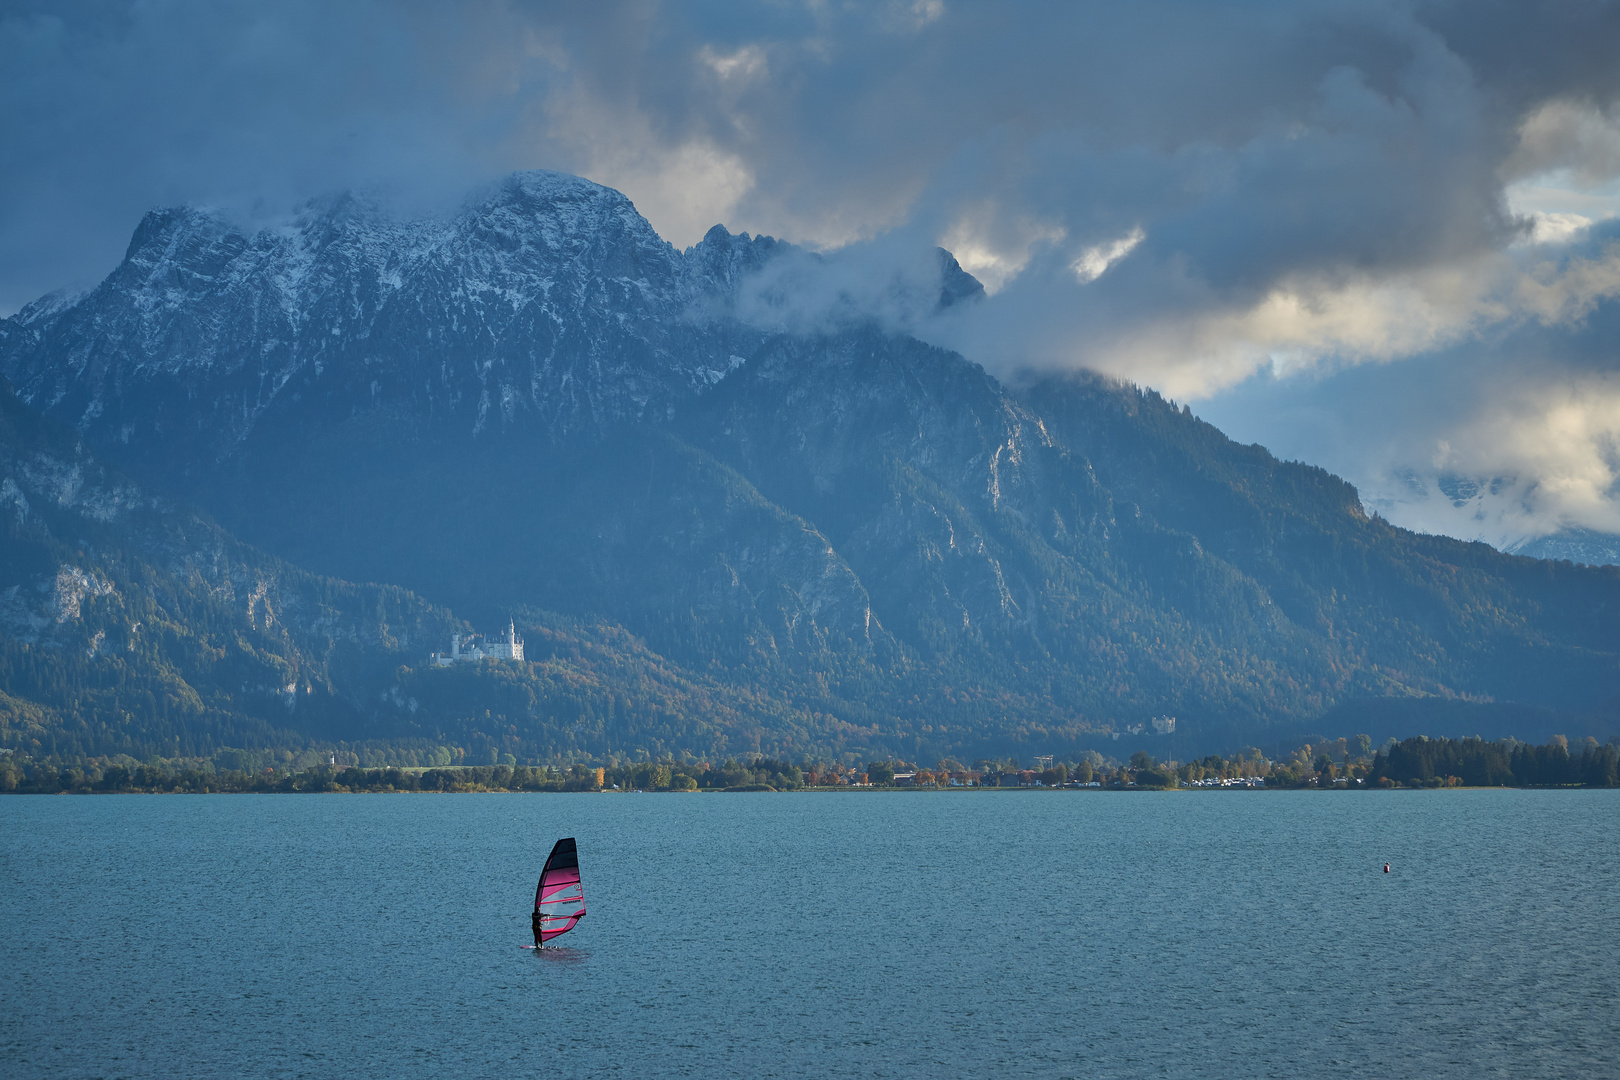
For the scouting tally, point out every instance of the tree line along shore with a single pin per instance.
(1341, 764)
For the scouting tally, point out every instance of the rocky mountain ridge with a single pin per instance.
(548, 298)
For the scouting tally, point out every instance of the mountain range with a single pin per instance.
(723, 527)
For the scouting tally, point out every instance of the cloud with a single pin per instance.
(1535, 458)
(1549, 454)
(1568, 136)
(1507, 435)
(1202, 347)
(684, 188)
(1094, 261)
(890, 280)
(993, 246)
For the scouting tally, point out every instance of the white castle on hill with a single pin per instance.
(510, 649)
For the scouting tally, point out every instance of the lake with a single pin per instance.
(951, 934)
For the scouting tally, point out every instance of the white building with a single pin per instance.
(1164, 725)
(473, 649)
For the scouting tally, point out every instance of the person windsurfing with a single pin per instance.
(559, 899)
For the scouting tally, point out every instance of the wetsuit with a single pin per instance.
(536, 922)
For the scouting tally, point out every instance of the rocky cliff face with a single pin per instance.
(538, 405)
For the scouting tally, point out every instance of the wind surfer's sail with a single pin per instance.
(559, 901)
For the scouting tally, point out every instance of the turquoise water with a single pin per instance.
(890, 935)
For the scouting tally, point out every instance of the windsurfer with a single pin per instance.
(559, 891)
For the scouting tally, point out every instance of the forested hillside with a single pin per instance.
(130, 625)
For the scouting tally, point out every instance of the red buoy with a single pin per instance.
(1386, 868)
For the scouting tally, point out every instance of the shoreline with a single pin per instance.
(339, 789)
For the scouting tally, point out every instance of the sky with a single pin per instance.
(1378, 236)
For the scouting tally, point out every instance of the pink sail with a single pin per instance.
(559, 900)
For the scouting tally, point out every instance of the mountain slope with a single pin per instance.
(137, 625)
(1405, 612)
(131, 625)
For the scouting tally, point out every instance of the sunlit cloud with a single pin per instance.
(1543, 459)
(1573, 140)
(1553, 227)
(683, 188)
(995, 247)
(1094, 261)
